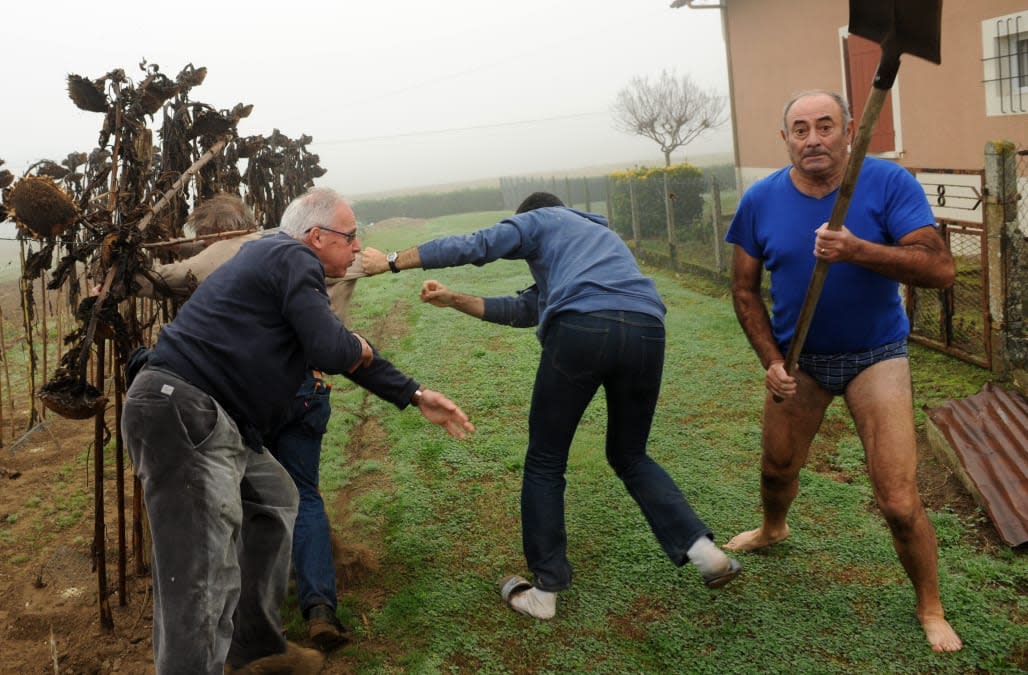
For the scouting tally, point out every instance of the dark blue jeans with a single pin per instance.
(297, 446)
(624, 353)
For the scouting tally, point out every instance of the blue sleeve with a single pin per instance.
(743, 229)
(327, 344)
(519, 311)
(385, 381)
(906, 206)
(506, 239)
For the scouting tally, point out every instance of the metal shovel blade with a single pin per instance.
(904, 26)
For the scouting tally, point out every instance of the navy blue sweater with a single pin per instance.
(252, 329)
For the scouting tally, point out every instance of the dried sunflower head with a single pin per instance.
(41, 206)
(69, 397)
(241, 110)
(87, 94)
(191, 77)
(249, 146)
(52, 169)
(210, 123)
(74, 160)
(155, 91)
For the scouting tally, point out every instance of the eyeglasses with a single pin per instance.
(349, 236)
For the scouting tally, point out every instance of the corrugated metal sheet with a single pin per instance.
(985, 438)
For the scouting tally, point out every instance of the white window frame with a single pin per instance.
(1005, 64)
(897, 128)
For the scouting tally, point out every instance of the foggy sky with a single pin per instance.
(395, 94)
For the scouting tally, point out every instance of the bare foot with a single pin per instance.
(940, 634)
(754, 539)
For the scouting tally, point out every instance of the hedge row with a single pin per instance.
(430, 204)
(686, 182)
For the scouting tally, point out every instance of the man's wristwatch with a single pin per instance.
(415, 399)
(391, 259)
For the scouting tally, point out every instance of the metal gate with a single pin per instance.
(955, 320)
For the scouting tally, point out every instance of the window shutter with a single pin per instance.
(862, 57)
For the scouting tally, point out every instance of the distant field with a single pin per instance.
(10, 267)
(595, 170)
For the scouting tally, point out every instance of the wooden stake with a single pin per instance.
(202, 237)
(45, 333)
(7, 372)
(119, 458)
(23, 285)
(99, 545)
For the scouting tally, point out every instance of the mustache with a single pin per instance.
(814, 153)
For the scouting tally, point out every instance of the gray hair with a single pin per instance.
(838, 98)
(315, 207)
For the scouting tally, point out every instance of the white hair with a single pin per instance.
(316, 207)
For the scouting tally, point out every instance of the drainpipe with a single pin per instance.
(720, 4)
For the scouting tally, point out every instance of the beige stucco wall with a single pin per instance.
(778, 47)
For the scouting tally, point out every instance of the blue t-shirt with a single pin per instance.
(858, 309)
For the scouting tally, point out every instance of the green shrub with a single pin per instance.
(686, 185)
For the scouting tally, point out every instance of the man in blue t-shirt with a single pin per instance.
(601, 324)
(856, 346)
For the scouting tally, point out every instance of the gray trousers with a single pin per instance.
(222, 521)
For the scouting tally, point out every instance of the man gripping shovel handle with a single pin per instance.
(899, 26)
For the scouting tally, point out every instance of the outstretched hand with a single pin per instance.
(436, 294)
(438, 409)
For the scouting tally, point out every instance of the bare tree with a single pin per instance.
(672, 111)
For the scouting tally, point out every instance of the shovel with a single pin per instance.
(899, 26)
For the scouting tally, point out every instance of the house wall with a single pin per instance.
(777, 48)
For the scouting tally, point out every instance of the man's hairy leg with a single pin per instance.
(789, 428)
(881, 402)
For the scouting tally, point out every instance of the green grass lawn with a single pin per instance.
(443, 518)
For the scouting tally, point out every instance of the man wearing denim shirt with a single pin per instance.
(601, 324)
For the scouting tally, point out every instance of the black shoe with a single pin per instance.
(324, 628)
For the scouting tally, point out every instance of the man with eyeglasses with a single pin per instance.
(218, 383)
(297, 443)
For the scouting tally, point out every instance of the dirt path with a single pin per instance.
(49, 615)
